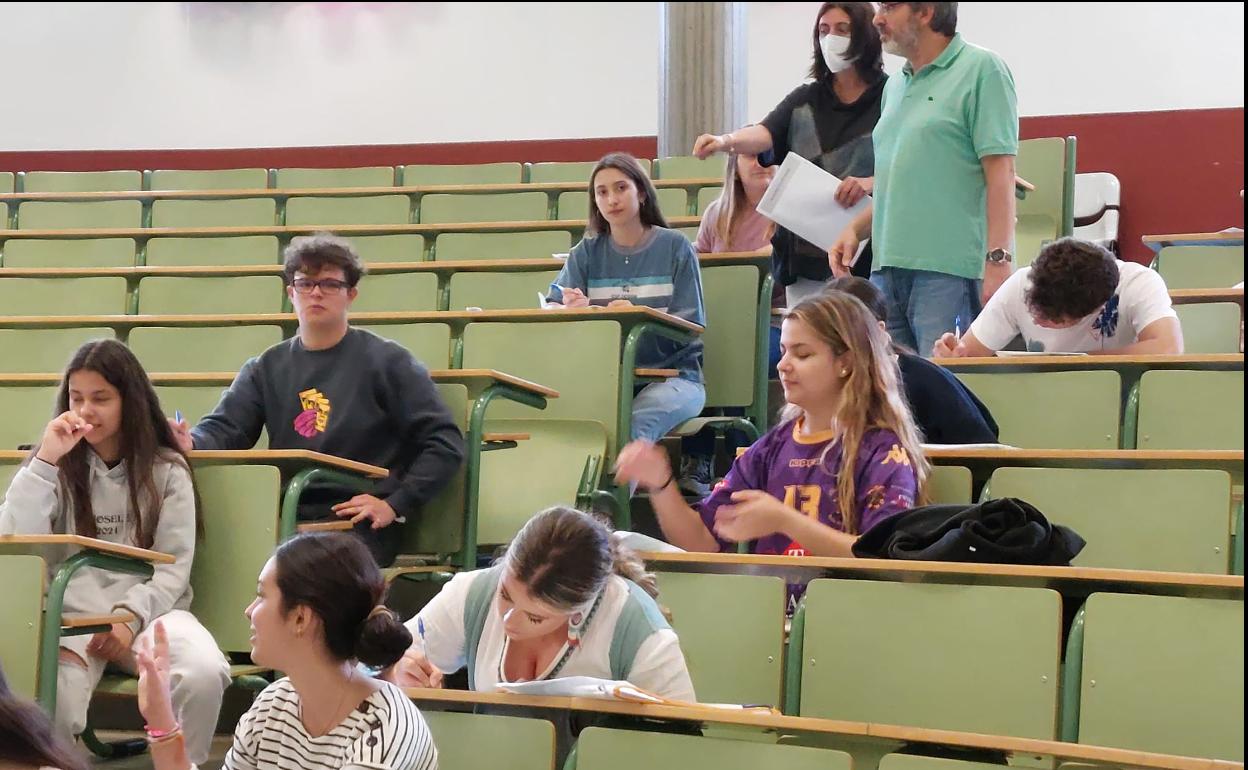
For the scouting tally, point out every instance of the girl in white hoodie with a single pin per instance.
(108, 467)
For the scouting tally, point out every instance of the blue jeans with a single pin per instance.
(923, 305)
(660, 406)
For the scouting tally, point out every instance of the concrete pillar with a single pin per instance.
(702, 72)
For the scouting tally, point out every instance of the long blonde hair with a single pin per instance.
(872, 396)
(733, 204)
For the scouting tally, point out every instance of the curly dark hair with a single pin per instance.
(313, 253)
(1071, 279)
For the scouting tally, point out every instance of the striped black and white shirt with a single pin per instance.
(385, 732)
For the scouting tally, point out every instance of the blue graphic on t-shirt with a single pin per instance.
(1107, 323)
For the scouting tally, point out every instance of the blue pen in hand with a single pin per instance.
(420, 633)
(177, 416)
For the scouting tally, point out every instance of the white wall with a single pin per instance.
(1067, 58)
(168, 75)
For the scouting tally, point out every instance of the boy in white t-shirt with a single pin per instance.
(1075, 298)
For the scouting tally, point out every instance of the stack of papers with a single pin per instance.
(802, 198)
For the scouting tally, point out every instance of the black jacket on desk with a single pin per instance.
(1005, 531)
(365, 399)
(945, 410)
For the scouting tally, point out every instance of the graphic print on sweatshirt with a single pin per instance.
(314, 418)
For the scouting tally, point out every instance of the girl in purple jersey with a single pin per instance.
(845, 456)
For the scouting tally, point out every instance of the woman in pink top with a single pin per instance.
(730, 223)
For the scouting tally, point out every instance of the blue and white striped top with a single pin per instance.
(660, 272)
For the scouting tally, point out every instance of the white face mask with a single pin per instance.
(834, 48)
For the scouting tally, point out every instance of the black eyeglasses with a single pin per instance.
(328, 286)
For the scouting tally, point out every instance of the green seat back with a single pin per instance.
(1042, 162)
(981, 659)
(25, 411)
(686, 167)
(1024, 405)
(557, 354)
(480, 173)
(1164, 674)
(559, 447)
(499, 291)
(439, 529)
(574, 204)
(190, 295)
(233, 250)
(492, 207)
(196, 402)
(240, 509)
(365, 210)
(474, 741)
(1201, 267)
(200, 349)
(731, 630)
(1191, 410)
(949, 484)
(407, 247)
(7, 179)
(308, 178)
(539, 244)
(44, 350)
(216, 179)
(689, 232)
(730, 294)
(21, 606)
(92, 215)
(63, 296)
(84, 252)
(569, 171)
(430, 343)
(706, 195)
(81, 181)
(1166, 519)
(242, 212)
(606, 749)
(1210, 327)
(397, 292)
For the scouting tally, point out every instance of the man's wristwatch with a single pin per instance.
(998, 256)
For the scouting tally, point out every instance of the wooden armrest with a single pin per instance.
(656, 373)
(326, 526)
(82, 620)
(491, 437)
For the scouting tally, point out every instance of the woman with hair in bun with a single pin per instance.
(317, 613)
(564, 600)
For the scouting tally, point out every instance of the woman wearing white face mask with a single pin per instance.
(827, 121)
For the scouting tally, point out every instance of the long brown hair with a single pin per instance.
(27, 737)
(146, 438)
(565, 557)
(733, 204)
(627, 165)
(872, 396)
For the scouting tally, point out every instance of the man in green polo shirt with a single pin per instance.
(942, 216)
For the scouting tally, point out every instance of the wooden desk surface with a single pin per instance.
(286, 458)
(1054, 363)
(88, 543)
(478, 378)
(81, 620)
(1068, 580)
(635, 313)
(348, 192)
(761, 257)
(1193, 296)
(1159, 242)
(789, 724)
(1229, 460)
(291, 230)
